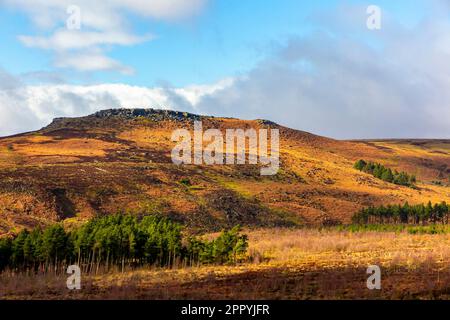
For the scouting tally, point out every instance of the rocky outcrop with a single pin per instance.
(152, 114)
(123, 114)
(105, 117)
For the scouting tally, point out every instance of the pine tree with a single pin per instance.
(387, 175)
(360, 164)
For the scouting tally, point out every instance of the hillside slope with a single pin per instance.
(118, 160)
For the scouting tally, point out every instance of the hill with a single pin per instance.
(119, 160)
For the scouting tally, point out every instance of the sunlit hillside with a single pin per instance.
(110, 162)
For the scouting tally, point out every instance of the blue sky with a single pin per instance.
(227, 38)
(311, 65)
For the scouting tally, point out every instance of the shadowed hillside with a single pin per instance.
(119, 160)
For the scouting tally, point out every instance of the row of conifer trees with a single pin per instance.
(386, 174)
(117, 240)
(405, 214)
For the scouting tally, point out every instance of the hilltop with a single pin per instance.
(119, 160)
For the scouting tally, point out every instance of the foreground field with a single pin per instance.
(283, 264)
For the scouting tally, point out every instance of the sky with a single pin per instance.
(310, 65)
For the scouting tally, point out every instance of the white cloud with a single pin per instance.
(91, 61)
(67, 39)
(194, 93)
(98, 14)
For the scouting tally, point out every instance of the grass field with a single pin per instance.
(282, 264)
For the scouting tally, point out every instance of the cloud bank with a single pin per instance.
(30, 107)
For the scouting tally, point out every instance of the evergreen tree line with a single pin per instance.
(117, 240)
(386, 174)
(404, 214)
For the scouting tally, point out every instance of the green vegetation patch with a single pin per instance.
(386, 174)
(404, 214)
(118, 240)
(429, 229)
